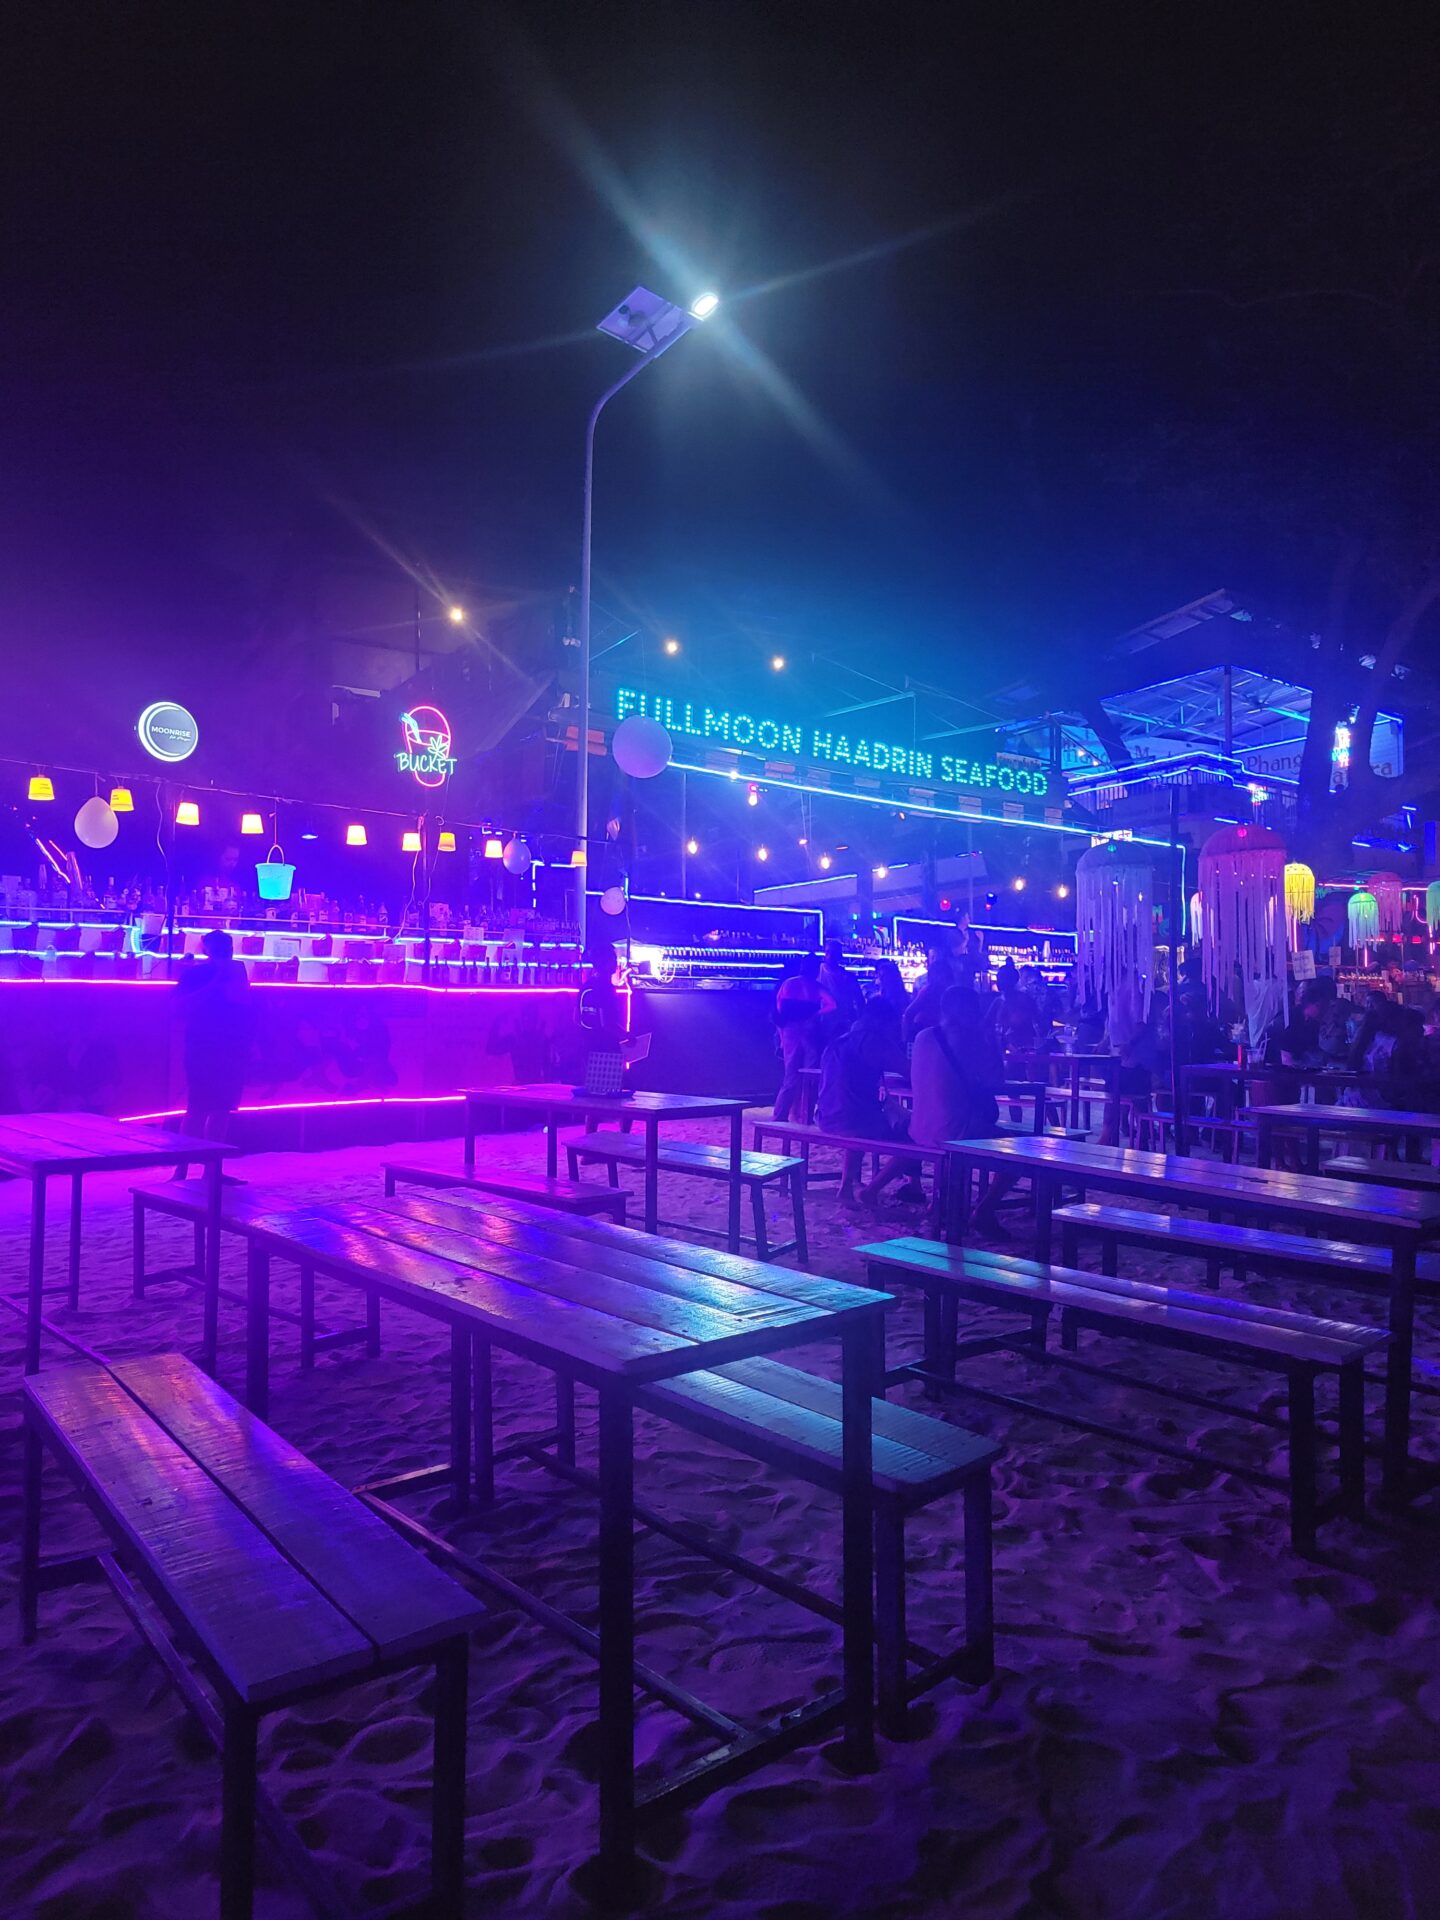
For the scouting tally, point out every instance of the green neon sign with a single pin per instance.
(823, 745)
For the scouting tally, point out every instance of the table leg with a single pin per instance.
(76, 1182)
(460, 1415)
(652, 1182)
(30, 1533)
(858, 1383)
(36, 1303)
(211, 1344)
(1044, 1206)
(469, 1135)
(447, 1820)
(1312, 1150)
(617, 1638)
(552, 1144)
(737, 1121)
(1262, 1144)
(257, 1330)
(1396, 1446)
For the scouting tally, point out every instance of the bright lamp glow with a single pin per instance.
(446, 842)
(251, 823)
(672, 647)
(825, 863)
(410, 841)
(881, 872)
(1062, 892)
(355, 835)
(456, 616)
(121, 800)
(777, 663)
(1019, 883)
(187, 814)
(692, 846)
(41, 787)
(702, 307)
(762, 853)
(494, 849)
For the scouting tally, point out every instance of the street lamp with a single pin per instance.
(651, 326)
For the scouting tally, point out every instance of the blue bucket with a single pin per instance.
(274, 877)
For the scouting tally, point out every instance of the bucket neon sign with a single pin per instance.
(426, 752)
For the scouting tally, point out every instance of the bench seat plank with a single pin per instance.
(394, 1596)
(586, 1196)
(255, 1617)
(752, 1403)
(844, 1142)
(1417, 1174)
(678, 1156)
(1286, 1336)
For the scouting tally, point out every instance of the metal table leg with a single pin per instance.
(1396, 1447)
(617, 1639)
(736, 1144)
(211, 1340)
(36, 1303)
(652, 1184)
(858, 1381)
(76, 1183)
(257, 1329)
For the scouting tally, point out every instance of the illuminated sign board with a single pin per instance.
(426, 752)
(168, 731)
(824, 745)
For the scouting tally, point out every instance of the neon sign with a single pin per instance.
(426, 752)
(724, 727)
(168, 731)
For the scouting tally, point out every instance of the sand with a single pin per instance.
(1187, 1720)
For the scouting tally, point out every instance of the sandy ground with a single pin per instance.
(1187, 1720)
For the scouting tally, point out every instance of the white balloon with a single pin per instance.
(642, 748)
(516, 857)
(612, 900)
(95, 823)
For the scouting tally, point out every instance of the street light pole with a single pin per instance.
(651, 326)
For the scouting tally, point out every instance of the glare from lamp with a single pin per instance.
(187, 814)
(1062, 892)
(704, 305)
(251, 823)
(672, 646)
(777, 663)
(456, 616)
(825, 863)
(762, 853)
(355, 835)
(881, 872)
(692, 846)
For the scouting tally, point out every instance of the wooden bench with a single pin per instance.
(808, 1135)
(1295, 1346)
(567, 1196)
(276, 1582)
(757, 1171)
(181, 1200)
(1223, 1245)
(790, 1419)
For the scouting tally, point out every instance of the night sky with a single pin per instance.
(1040, 319)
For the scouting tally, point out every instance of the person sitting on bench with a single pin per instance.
(956, 1072)
(852, 1100)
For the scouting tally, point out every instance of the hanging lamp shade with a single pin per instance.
(121, 800)
(40, 787)
(187, 814)
(1389, 900)
(1299, 899)
(1242, 886)
(1115, 898)
(1432, 906)
(1363, 916)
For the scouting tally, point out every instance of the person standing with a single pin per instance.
(214, 1005)
(890, 985)
(841, 989)
(797, 1009)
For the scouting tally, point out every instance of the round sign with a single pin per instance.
(168, 731)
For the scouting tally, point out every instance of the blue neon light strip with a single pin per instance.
(934, 813)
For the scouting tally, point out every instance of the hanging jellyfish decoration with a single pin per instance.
(1115, 901)
(1432, 907)
(1197, 921)
(1389, 900)
(1242, 888)
(1363, 918)
(1299, 900)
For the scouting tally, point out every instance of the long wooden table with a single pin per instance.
(615, 1313)
(39, 1147)
(1416, 1130)
(560, 1105)
(1400, 1220)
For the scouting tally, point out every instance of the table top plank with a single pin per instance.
(257, 1619)
(555, 1096)
(1370, 1211)
(391, 1593)
(90, 1143)
(454, 1204)
(1352, 1119)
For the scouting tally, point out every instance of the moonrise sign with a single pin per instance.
(825, 746)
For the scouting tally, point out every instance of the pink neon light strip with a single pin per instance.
(311, 1106)
(300, 986)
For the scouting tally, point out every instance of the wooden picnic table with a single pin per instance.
(39, 1147)
(1073, 1069)
(616, 1314)
(1415, 1130)
(1402, 1221)
(1226, 1081)
(560, 1105)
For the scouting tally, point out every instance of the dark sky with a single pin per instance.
(1003, 283)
